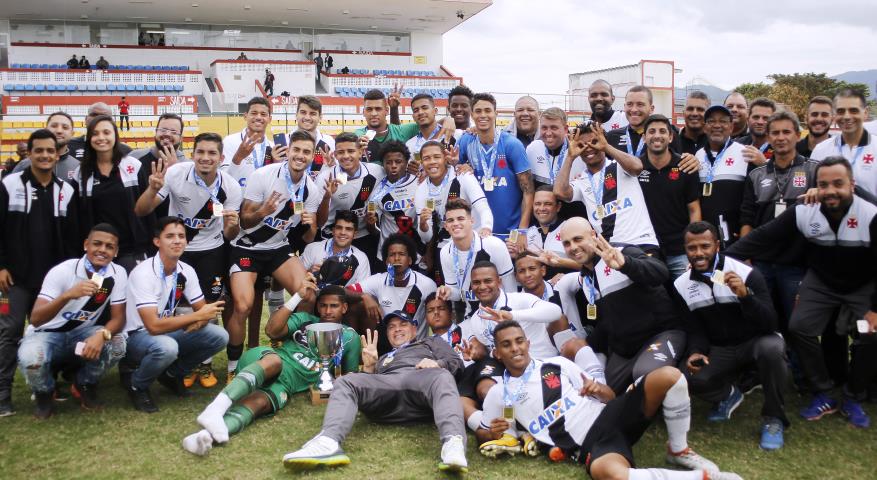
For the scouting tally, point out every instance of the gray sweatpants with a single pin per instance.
(662, 350)
(402, 397)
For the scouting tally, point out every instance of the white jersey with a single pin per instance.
(394, 206)
(616, 121)
(352, 195)
(315, 253)
(409, 299)
(546, 402)
(83, 311)
(546, 241)
(482, 328)
(545, 166)
(322, 142)
(731, 166)
(452, 186)
(271, 233)
(416, 142)
(255, 160)
(860, 156)
(619, 199)
(457, 266)
(149, 287)
(193, 203)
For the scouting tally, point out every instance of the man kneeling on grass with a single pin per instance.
(579, 417)
(266, 377)
(413, 382)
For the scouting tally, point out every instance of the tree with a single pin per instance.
(795, 90)
(754, 90)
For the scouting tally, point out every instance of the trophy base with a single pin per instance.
(319, 397)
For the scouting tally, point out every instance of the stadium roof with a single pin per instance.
(432, 16)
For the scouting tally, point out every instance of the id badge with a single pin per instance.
(592, 311)
(98, 279)
(298, 207)
(707, 189)
(430, 203)
(508, 413)
(217, 209)
(488, 184)
(719, 277)
(778, 208)
(372, 207)
(601, 212)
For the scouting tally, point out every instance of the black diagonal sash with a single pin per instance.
(552, 391)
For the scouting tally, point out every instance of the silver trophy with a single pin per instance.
(324, 339)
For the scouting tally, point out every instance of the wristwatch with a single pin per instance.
(108, 335)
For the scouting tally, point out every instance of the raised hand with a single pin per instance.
(85, 288)
(599, 142)
(246, 148)
(688, 163)
(754, 156)
(493, 314)
(736, 284)
(270, 204)
(308, 288)
(610, 255)
(395, 96)
(452, 155)
(576, 145)
(156, 179)
(369, 349)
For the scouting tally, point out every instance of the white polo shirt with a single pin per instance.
(149, 287)
(315, 253)
(248, 165)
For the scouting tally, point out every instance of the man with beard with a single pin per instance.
(167, 148)
(308, 113)
(692, 137)
(526, 125)
(76, 145)
(820, 116)
(601, 99)
(758, 150)
(460, 106)
(61, 124)
(840, 254)
(737, 104)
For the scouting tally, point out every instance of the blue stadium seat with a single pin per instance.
(178, 88)
(169, 88)
(29, 87)
(140, 88)
(100, 88)
(130, 88)
(72, 88)
(111, 88)
(8, 87)
(19, 87)
(40, 87)
(16, 65)
(150, 88)
(44, 65)
(51, 88)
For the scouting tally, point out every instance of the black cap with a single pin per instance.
(714, 109)
(335, 270)
(400, 315)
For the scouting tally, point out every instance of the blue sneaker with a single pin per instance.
(722, 412)
(820, 406)
(772, 434)
(855, 414)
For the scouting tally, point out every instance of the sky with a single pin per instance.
(513, 47)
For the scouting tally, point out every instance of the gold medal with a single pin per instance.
(601, 212)
(707, 189)
(514, 235)
(298, 208)
(430, 203)
(417, 157)
(98, 279)
(718, 277)
(372, 207)
(508, 413)
(488, 184)
(388, 360)
(217, 209)
(592, 311)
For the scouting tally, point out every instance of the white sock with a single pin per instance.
(211, 418)
(663, 474)
(232, 365)
(208, 361)
(677, 414)
(474, 420)
(590, 364)
(199, 443)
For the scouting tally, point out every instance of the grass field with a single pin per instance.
(120, 442)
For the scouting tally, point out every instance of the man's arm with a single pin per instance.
(778, 231)
(156, 325)
(748, 208)
(446, 357)
(642, 268)
(694, 214)
(757, 304)
(539, 312)
(525, 181)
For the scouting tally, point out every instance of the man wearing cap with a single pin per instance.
(412, 382)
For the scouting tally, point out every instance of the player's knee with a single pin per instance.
(609, 467)
(771, 347)
(664, 377)
(164, 348)
(571, 347)
(31, 356)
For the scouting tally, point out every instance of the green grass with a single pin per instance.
(120, 442)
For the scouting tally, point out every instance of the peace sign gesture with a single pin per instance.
(611, 255)
(369, 350)
(246, 147)
(394, 98)
(156, 179)
(452, 155)
(494, 315)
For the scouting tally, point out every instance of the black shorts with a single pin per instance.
(261, 262)
(212, 268)
(473, 374)
(618, 427)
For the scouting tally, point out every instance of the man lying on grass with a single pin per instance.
(267, 376)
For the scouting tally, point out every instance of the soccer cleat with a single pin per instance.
(772, 434)
(320, 451)
(189, 379)
(142, 400)
(855, 413)
(454, 455)
(174, 384)
(206, 376)
(531, 446)
(716, 475)
(199, 443)
(87, 396)
(229, 377)
(507, 444)
(820, 406)
(45, 405)
(722, 412)
(689, 459)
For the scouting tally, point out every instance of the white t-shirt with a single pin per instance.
(864, 168)
(248, 165)
(551, 241)
(616, 121)
(315, 253)
(353, 195)
(416, 142)
(149, 287)
(626, 217)
(457, 273)
(465, 187)
(545, 166)
(272, 231)
(482, 329)
(84, 311)
(194, 204)
(395, 207)
(409, 299)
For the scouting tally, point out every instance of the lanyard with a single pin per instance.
(291, 187)
(387, 187)
(258, 153)
(436, 191)
(330, 249)
(840, 150)
(554, 168)
(763, 147)
(715, 161)
(212, 191)
(639, 147)
(713, 272)
(487, 156)
(172, 300)
(455, 254)
(589, 282)
(420, 140)
(392, 353)
(781, 186)
(90, 268)
(510, 400)
(391, 276)
(546, 291)
(354, 177)
(598, 195)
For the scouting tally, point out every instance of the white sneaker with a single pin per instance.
(199, 443)
(454, 455)
(689, 459)
(723, 476)
(317, 452)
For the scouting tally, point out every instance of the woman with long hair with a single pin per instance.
(108, 186)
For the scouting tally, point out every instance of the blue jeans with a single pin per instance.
(177, 352)
(782, 282)
(677, 264)
(43, 353)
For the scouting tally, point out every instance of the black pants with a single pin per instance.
(662, 350)
(123, 120)
(20, 302)
(767, 353)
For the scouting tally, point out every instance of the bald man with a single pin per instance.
(526, 124)
(739, 107)
(601, 99)
(76, 145)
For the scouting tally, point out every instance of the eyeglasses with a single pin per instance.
(167, 131)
